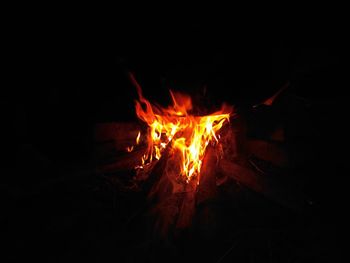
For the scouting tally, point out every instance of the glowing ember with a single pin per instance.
(186, 135)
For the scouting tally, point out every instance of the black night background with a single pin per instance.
(71, 75)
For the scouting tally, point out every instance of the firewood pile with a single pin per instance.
(247, 164)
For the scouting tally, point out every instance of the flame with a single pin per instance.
(138, 138)
(129, 148)
(187, 135)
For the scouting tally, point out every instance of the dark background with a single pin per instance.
(71, 74)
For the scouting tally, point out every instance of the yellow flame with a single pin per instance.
(129, 148)
(187, 135)
(138, 138)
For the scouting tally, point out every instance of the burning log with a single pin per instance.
(177, 201)
(207, 195)
(115, 149)
(116, 135)
(186, 211)
(207, 189)
(122, 163)
(268, 151)
(173, 200)
(280, 189)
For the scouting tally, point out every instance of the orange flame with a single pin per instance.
(187, 135)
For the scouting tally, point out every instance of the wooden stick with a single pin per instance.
(282, 189)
